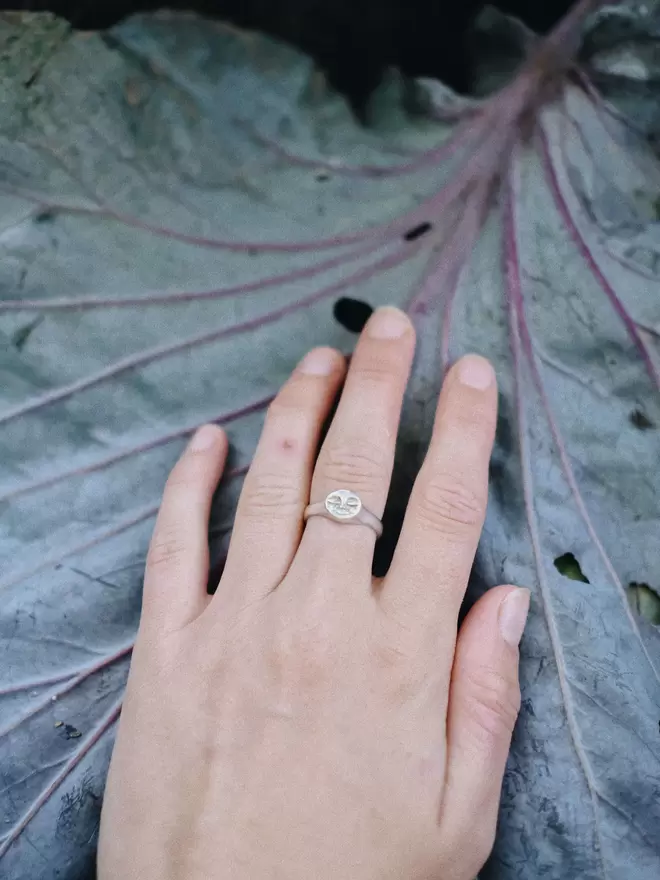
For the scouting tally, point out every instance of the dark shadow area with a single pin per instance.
(353, 41)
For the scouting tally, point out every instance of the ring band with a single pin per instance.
(345, 507)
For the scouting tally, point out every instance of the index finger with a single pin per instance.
(178, 558)
(429, 573)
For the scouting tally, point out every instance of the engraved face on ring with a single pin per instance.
(343, 504)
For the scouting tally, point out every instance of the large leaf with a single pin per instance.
(180, 207)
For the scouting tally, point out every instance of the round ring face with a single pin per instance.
(343, 504)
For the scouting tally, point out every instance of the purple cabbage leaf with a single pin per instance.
(181, 206)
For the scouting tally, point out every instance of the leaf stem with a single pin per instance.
(588, 256)
(516, 299)
(49, 698)
(159, 352)
(179, 297)
(54, 559)
(146, 446)
(513, 292)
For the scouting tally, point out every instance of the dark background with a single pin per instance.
(353, 41)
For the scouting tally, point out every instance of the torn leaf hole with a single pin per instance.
(71, 732)
(568, 566)
(418, 231)
(21, 336)
(352, 314)
(641, 421)
(645, 602)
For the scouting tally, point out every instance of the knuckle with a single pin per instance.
(405, 680)
(482, 839)
(287, 409)
(303, 655)
(396, 653)
(270, 495)
(188, 476)
(449, 505)
(377, 374)
(296, 395)
(493, 704)
(391, 658)
(392, 644)
(360, 464)
(476, 842)
(165, 551)
(182, 477)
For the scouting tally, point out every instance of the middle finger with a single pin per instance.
(358, 452)
(426, 582)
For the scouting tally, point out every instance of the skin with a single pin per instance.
(307, 721)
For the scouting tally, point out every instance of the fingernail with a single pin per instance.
(476, 372)
(513, 616)
(205, 438)
(320, 362)
(388, 323)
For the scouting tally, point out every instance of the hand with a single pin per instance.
(308, 721)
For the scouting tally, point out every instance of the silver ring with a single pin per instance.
(344, 506)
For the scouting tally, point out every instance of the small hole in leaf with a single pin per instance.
(418, 231)
(352, 314)
(645, 601)
(20, 337)
(568, 566)
(640, 420)
(71, 732)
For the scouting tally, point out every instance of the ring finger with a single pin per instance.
(358, 452)
(268, 522)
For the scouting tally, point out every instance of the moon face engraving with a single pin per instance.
(343, 504)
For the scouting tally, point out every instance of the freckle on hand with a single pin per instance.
(287, 445)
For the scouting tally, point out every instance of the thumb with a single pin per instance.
(484, 702)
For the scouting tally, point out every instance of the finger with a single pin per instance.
(358, 452)
(178, 558)
(428, 576)
(269, 517)
(484, 702)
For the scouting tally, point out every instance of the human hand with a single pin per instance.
(307, 721)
